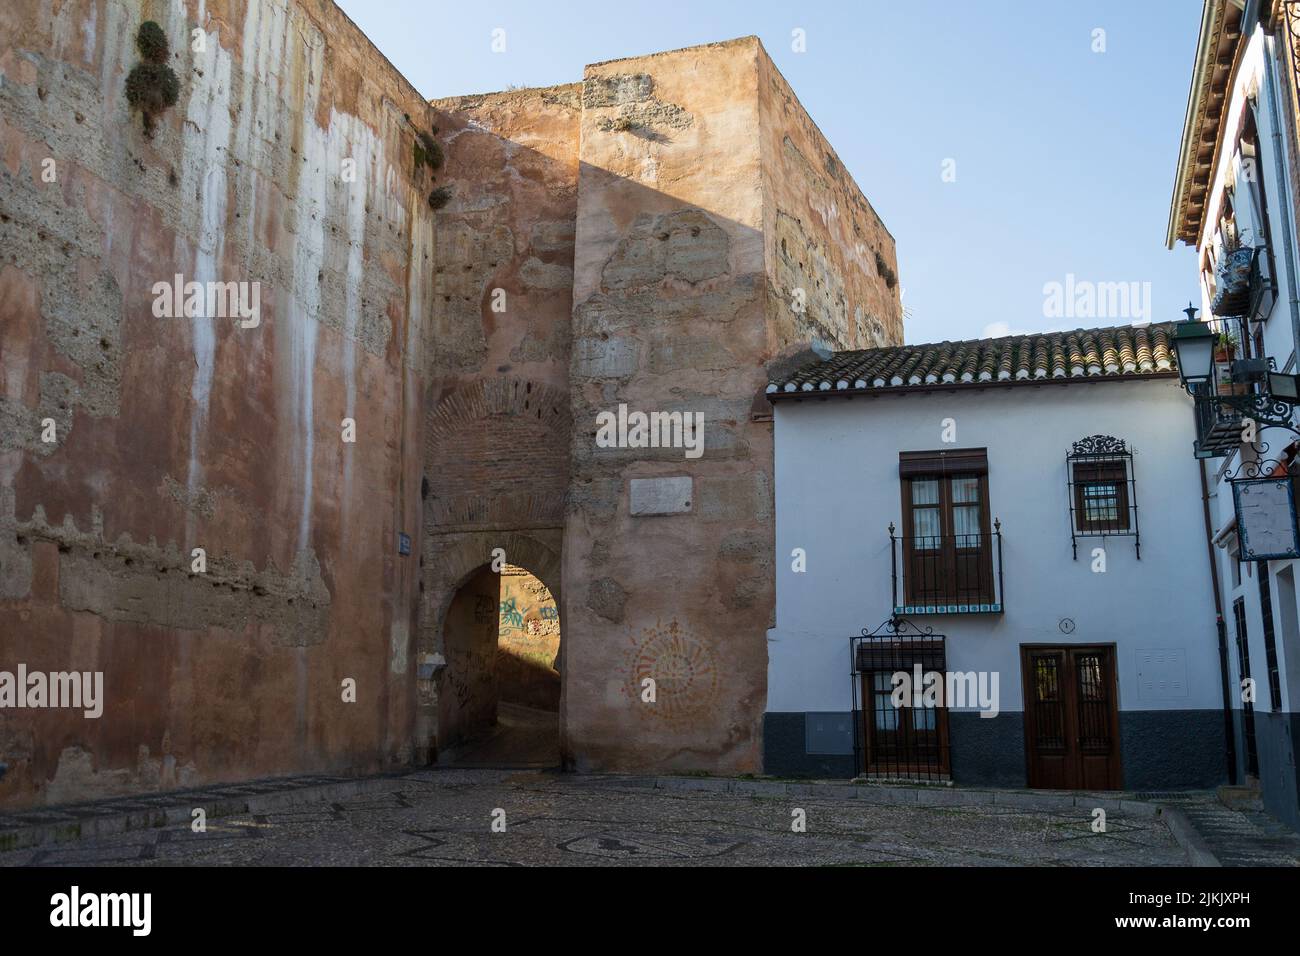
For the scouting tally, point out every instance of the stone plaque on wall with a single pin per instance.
(661, 496)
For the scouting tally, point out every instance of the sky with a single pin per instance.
(1007, 144)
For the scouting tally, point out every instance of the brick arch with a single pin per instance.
(454, 564)
(498, 454)
(502, 395)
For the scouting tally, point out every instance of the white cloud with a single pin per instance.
(997, 330)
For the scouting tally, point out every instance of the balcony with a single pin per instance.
(1218, 424)
(1245, 285)
(947, 574)
(1221, 413)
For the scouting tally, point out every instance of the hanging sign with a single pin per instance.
(1266, 519)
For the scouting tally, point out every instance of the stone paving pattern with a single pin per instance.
(1241, 837)
(443, 817)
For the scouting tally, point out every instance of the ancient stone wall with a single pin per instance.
(631, 242)
(498, 420)
(831, 265)
(668, 316)
(706, 196)
(286, 161)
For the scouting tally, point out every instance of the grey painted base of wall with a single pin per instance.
(1240, 740)
(785, 750)
(1172, 749)
(987, 751)
(1275, 743)
(1159, 750)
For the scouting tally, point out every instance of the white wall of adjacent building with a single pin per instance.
(1279, 342)
(838, 489)
(1253, 78)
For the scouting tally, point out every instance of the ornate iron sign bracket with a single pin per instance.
(1263, 409)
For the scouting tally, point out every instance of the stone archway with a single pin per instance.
(457, 695)
(498, 692)
(496, 477)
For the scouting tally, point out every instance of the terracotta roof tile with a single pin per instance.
(1090, 354)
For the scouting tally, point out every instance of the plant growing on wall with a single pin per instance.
(886, 273)
(429, 155)
(152, 86)
(440, 197)
(428, 151)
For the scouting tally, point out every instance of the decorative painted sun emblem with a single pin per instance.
(684, 671)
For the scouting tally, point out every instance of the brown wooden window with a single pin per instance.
(1101, 501)
(947, 546)
(1102, 491)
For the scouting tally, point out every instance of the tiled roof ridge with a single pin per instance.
(1082, 353)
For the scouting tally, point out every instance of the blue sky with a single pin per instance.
(1064, 157)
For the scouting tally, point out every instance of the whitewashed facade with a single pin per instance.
(1237, 178)
(839, 487)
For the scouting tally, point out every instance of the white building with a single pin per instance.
(1047, 527)
(1236, 185)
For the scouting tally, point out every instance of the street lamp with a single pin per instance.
(1194, 348)
(1284, 388)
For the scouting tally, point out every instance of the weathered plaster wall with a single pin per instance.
(705, 195)
(669, 316)
(821, 235)
(498, 420)
(630, 239)
(195, 432)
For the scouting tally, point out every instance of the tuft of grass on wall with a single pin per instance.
(152, 86)
(152, 42)
(886, 273)
(428, 151)
(440, 197)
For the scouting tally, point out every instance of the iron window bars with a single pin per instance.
(907, 742)
(1102, 491)
(946, 573)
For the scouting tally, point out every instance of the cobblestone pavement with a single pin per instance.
(1241, 837)
(444, 817)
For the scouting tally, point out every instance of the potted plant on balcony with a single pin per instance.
(1232, 278)
(1225, 351)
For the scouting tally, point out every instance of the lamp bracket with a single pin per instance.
(1263, 409)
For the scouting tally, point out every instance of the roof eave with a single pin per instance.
(801, 395)
(1191, 125)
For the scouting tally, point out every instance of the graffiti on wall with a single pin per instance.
(512, 617)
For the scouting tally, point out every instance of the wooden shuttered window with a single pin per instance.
(1101, 498)
(948, 545)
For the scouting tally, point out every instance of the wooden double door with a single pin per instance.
(1071, 717)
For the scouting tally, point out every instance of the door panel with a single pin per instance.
(1071, 718)
(1095, 730)
(1047, 724)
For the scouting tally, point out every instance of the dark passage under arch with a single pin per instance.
(499, 700)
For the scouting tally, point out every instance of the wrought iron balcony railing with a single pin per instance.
(1247, 296)
(1221, 415)
(947, 574)
(1218, 424)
